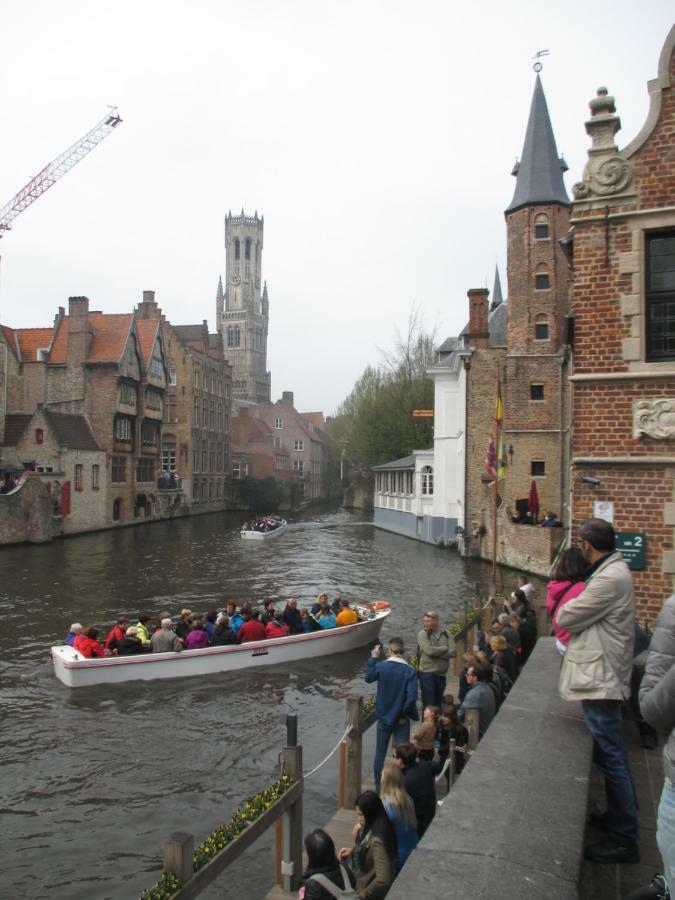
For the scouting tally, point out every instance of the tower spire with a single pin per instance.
(539, 174)
(497, 298)
(220, 296)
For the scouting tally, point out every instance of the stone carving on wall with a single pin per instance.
(654, 418)
(606, 172)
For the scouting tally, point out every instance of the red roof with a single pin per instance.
(10, 337)
(110, 333)
(31, 340)
(147, 334)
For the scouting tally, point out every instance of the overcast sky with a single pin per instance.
(376, 136)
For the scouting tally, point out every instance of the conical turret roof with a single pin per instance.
(539, 174)
(497, 298)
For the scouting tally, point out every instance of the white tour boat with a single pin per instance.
(75, 670)
(251, 535)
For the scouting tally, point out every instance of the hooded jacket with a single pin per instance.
(657, 692)
(599, 658)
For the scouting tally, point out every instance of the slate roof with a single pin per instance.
(497, 325)
(539, 174)
(110, 333)
(408, 462)
(14, 428)
(71, 430)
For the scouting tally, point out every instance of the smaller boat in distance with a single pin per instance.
(263, 528)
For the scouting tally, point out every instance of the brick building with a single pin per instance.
(623, 215)
(291, 445)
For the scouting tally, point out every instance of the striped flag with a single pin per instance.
(491, 459)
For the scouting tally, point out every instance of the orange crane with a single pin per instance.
(56, 169)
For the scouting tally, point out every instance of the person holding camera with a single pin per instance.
(395, 704)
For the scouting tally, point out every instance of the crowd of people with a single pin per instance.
(263, 524)
(232, 625)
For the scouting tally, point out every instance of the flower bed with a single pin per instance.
(222, 836)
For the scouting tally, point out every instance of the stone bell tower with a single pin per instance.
(243, 309)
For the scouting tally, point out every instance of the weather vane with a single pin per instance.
(538, 66)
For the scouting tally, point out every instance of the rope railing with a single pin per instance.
(332, 753)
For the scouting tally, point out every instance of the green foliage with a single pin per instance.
(222, 836)
(260, 495)
(374, 423)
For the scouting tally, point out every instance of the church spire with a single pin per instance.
(497, 298)
(539, 174)
(220, 296)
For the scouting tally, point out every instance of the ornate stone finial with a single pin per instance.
(606, 172)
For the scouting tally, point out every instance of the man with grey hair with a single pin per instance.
(164, 640)
(395, 704)
(434, 649)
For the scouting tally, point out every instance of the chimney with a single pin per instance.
(287, 397)
(478, 317)
(79, 331)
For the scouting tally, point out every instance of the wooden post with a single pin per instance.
(354, 751)
(342, 775)
(471, 720)
(178, 855)
(278, 849)
(291, 863)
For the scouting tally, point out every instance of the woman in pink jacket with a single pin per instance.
(568, 582)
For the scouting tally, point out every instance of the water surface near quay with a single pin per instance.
(92, 781)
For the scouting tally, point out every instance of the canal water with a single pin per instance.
(92, 781)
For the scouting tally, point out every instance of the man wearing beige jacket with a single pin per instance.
(596, 670)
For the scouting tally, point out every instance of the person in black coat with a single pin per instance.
(322, 861)
(528, 636)
(419, 776)
(292, 617)
(130, 644)
(223, 634)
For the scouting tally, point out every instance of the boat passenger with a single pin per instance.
(87, 643)
(269, 609)
(277, 628)
(346, 616)
(75, 629)
(130, 643)
(165, 614)
(253, 630)
(165, 640)
(223, 634)
(143, 630)
(185, 624)
(197, 639)
(236, 620)
(335, 605)
(321, 603)
(292, 616)
(210, 624)
(116, 634)
(325, 617)
(309, 623)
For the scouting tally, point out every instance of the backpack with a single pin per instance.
(348, 893)
(505, 685)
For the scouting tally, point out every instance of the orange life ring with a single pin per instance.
(380, 604)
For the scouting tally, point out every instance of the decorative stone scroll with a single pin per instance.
(606, 172)
(654, 418)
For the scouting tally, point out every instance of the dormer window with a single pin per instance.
(541, 228)
(542, 282)
(278, 424)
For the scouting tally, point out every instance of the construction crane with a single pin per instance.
(56, 169)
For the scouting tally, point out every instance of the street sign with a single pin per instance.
(423, 413)
(633, 546)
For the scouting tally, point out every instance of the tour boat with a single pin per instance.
(251, 535)
(74, 670)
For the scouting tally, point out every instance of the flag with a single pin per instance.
(499, 406)
(502, 458)
(491, 459)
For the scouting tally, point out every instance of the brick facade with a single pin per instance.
(619, 438)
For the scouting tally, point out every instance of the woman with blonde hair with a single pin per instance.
(400, 812)
(503, 656)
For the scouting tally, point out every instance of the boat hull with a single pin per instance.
(73, 670)
(265, 535)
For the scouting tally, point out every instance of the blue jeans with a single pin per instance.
(605, 723)
(665, 833)
(400, 732)
(432, 687)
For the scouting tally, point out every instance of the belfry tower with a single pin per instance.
(242, 310)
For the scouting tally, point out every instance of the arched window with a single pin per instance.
(237, 249)
(542, 282)
(541, 228)
(427, 480)
(541, 328)
(247, 249)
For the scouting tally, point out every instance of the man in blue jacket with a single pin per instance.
(395, 704)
